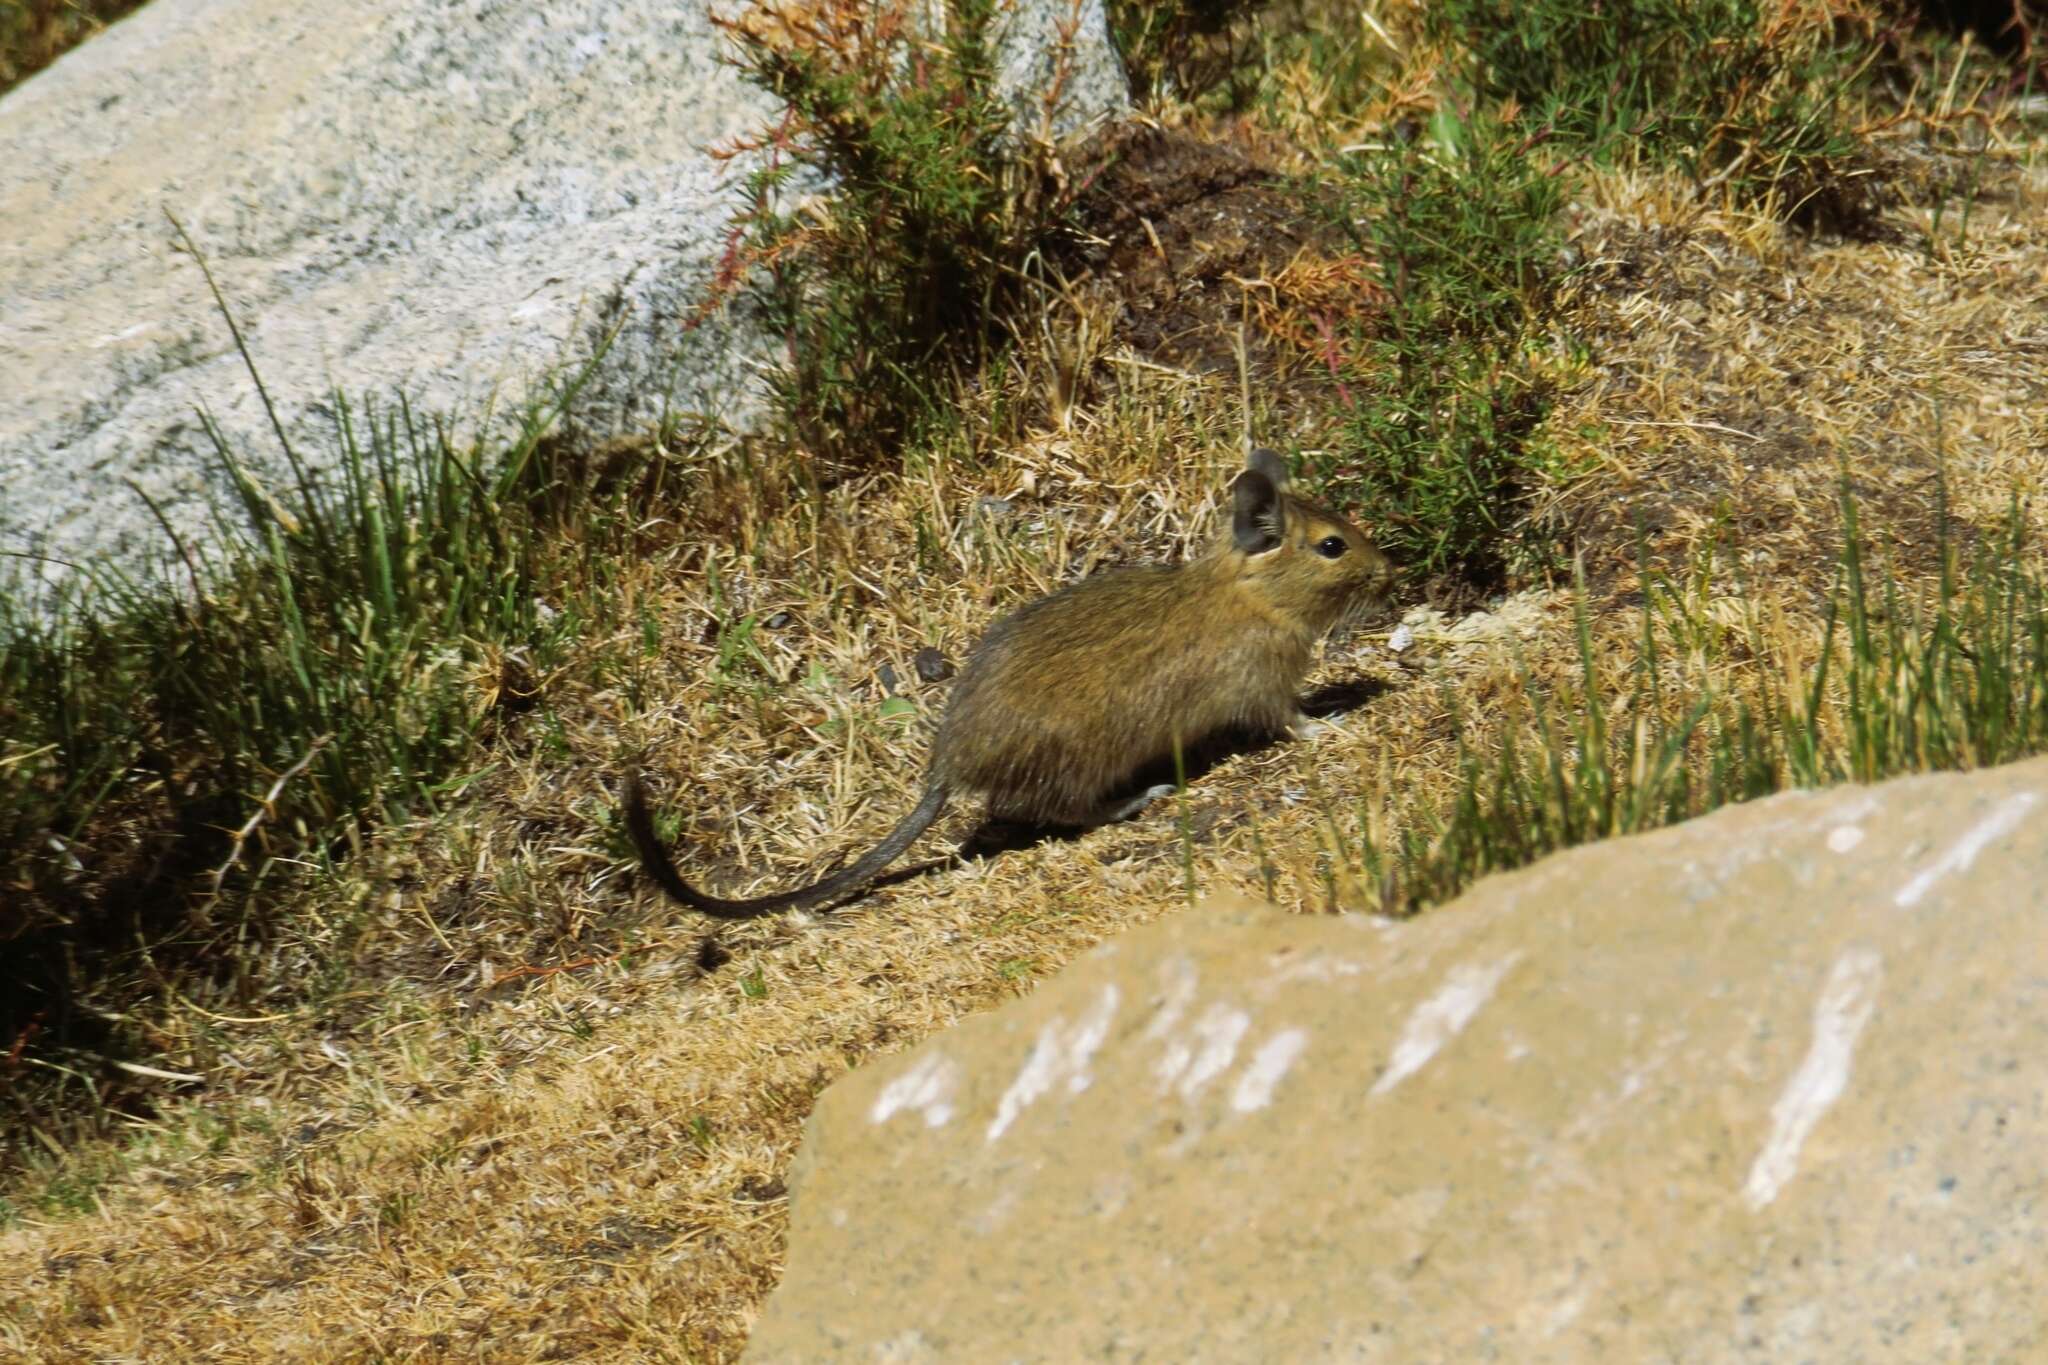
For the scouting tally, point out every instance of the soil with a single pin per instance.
(1182, 229)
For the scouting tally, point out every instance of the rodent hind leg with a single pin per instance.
(1068, 820)
(1124, 808)
(1306, 727)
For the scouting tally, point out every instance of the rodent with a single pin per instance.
(1068, 697)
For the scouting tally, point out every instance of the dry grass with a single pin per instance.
(1745, 370)
(525, 1110)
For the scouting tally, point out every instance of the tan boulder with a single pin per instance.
(1772, 1085)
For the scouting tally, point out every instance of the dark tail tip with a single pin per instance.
(656, 863)
(654, 859)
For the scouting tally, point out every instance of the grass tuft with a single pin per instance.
(174, 742)
(1892, 686)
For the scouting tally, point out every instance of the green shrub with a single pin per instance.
(893, 220)
(1179, 49)
(1442, 433)
(1706, 85)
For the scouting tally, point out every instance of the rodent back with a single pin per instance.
(1067, 697)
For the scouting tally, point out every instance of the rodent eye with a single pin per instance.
(1329, 547)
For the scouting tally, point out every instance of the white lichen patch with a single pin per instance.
(1564, 1312)
(1178, 982)
(1441, 1018)
(1204, 1052)
(1269, 1065)
(1317, 967)
(996, 1214)
(1062, 1054)
(1520, 617)
(2004, 818)
(1839, 1017)
(926, 1088)
(1844, 838)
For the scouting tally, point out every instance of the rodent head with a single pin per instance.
(1309, 564)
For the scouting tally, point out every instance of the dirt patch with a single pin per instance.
(1185, 229)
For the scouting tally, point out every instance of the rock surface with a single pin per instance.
(452, 200)
(1769, 1086)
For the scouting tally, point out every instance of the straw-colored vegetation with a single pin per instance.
(34, 33)
(466, 1087)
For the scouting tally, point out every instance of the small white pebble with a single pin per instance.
(1400, 639)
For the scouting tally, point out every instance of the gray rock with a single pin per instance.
(1058, 68)
(450, 200)
(1769, 1086)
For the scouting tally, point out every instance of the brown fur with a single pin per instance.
(1067, 698)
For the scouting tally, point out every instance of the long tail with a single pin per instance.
(655, 861)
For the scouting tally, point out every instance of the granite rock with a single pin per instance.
(453, 201)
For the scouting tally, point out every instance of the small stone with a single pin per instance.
(932, 666)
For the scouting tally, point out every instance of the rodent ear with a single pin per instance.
(1269, 463)
(1257, 520)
